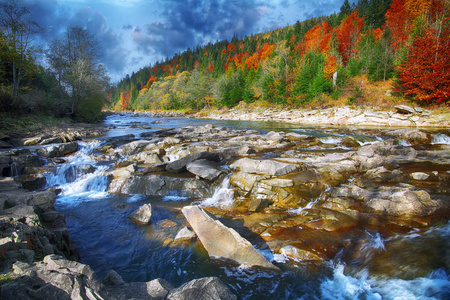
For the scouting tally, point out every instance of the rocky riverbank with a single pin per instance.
(399, 116)
(293, 195)
(39, 261)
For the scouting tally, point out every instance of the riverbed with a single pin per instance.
(408, 260)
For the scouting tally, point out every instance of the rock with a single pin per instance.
(51, 140)
(221, 241)
(113, 278)
(184, 234)
(298, 254)
(404, 109)
(401, 201)
(158, 288)
(204, 169)
(55, 278)
(258, 204)
(22, 160)
(413, 136)
(154, 184)
(245, 150)
(179, 166)
(4, 144)
(350, 142)
(211, 288)
(419, 176)
(245, 181)
(263, 167)
(43, 200)
(32, 182)
(278, 182)
(72, 172)
(134, 147)
(143, 214)
(32, 141)
(58, 150)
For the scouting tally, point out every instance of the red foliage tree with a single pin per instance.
(426, 72)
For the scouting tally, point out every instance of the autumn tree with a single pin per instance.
(425, 74)
(348, 34)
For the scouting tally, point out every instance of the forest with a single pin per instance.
(73, 84)
(402, 45)
(405, 42)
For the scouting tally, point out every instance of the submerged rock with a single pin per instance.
(223, 242)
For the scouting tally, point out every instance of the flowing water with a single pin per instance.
(98, 223)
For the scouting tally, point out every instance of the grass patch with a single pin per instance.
(27, 125)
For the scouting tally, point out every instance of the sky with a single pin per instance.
(137, 33)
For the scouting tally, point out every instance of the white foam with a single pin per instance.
(342, 286)
(223, 195)
(404, 143)
(331, 140)
(440, 138)
(135, 198)
(174, 198)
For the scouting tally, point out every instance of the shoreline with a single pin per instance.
(401, 116)
(341, 117)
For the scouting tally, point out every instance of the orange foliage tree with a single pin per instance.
(348, 34)
(317, 38)
(150, 80)
(125, 100)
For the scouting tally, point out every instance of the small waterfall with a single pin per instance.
(440, 138)
(223, 195)
(80, 176)
(14, 171)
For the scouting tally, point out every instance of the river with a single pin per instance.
(98, 223)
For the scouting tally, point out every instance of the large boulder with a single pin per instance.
(401, 201)
(205, 169)
(263, 167)
(55, 278)
(134, 147)
(209, 288)
(179, 165)
(156, 289)
(58, 150)
(221, 241)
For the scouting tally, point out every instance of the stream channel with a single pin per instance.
(380, 268)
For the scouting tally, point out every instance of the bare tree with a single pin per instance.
(17, 30)
(73, 57)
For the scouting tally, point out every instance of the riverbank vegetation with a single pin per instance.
(371, 53)
(74, 83)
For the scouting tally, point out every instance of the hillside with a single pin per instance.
(398, 47)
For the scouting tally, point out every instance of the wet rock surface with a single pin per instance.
(300, 196)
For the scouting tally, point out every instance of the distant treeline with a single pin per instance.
(407, 40)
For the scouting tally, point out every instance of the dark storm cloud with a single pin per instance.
(127, 27)
(55, 18)
(49, 15)
(190, 23)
